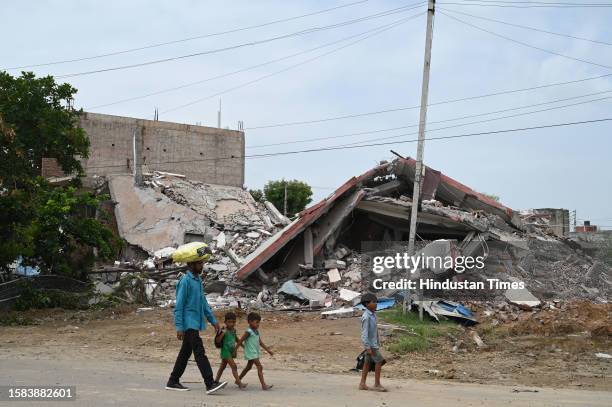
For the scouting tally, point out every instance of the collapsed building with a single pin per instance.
(375, 207)
(317, 260)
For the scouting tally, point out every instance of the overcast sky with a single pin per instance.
(566, 167)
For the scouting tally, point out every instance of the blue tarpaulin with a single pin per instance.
(22, 270)
(383, 303)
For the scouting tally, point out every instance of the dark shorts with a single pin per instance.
(375, 358)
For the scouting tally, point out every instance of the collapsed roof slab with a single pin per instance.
(305, 218)
(453, 192)
(398, 209)
(438, 185)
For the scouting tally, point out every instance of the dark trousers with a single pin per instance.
(192, 343)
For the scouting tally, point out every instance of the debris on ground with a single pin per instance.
(261, 259)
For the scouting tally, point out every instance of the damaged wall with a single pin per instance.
(150, 220)
(191, 149)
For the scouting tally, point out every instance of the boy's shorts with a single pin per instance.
(375, 358)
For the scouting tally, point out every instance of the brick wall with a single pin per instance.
(201, 153)
(50, 168)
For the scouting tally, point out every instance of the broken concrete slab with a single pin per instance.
(216, 267)
(348, 295)
(479, 342)
(339, 313)
(334, 264)
(277, 217)
(354, 275)
(341, 252)
(237, 260)
(523, 298)
(222, 204)
(296, 290)
(164, 253)
(150, 220)
(441, 248)
(221, 240)
(334, 275)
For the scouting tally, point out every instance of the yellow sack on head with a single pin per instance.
(190, 252)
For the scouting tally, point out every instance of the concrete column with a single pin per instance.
(308, 248)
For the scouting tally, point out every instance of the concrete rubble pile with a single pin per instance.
(318, 261)
(170, 210)
(323, 250)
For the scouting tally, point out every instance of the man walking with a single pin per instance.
(189, 318)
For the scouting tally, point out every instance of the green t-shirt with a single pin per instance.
(229, 344)
(251, 345)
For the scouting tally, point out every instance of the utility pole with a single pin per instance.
(219, 115)
(419, 168)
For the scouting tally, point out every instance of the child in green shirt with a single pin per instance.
(227, 340)
(251, 342)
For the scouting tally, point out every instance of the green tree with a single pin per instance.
(52, 227)
(257, 194)
(38, 111)
(299, 194)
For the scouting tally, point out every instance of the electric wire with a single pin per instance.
(453, 119)
(457, 136)
(397, 109)
(373, 32)
(160, 44)
(186, 85)
(242, 45)
(526, 44)
(529, 28)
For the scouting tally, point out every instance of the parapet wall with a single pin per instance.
(201, 153)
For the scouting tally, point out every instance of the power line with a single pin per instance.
(452, 119)
(534, 5)
(160, 44)
(525, 44)
(230, 73)
(374, 31)
(391, 110)
(487, 120)
(493, 132)
(556, 3)
(531, 28)
(536, 2)
(430, 139)
(247, 44)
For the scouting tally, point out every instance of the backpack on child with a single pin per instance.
(218, 339)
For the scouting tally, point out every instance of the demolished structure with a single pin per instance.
(263, 260)
(375, 207)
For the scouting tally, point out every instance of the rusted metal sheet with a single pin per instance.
(430, 184)
(456, 192)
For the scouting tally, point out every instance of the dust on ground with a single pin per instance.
(552, 348)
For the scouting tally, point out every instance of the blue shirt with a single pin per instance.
(369, 330)
(191, 305)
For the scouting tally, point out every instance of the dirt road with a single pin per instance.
(106, 383)
(307, 343)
